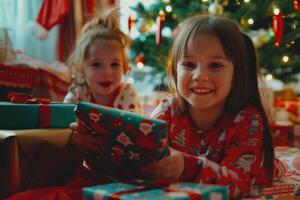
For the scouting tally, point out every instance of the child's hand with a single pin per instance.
(83, 140)
(169, 168)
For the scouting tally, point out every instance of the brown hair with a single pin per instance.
(241, 52)
(105, 26)
(255, 100)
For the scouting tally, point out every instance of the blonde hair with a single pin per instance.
(105, 26)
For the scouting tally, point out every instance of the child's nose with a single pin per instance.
(107, 72)
(201, 74)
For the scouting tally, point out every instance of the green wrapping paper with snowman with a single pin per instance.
(129, 140)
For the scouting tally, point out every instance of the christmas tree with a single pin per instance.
(273, 25)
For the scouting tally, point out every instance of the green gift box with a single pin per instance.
(129, 140)
(14, 116)
(172, 191)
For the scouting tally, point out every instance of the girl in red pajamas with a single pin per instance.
(98, 65)
(218, 129)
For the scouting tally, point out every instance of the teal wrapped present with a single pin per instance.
(172, 191)
(15, 116)
(129, 140)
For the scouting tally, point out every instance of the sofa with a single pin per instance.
(35, 158)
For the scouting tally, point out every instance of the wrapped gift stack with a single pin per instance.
(33, 136)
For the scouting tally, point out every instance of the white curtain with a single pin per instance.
(16, 16)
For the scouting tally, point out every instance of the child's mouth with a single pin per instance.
(201, 91)
(105, 84)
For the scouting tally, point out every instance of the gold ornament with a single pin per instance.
(215, 8)
(144, 25)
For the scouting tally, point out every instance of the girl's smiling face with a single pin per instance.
(104, 67)
(204, 74)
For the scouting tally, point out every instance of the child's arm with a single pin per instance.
(169, 168)
(238, 169)
(83, 141)
(241, 165)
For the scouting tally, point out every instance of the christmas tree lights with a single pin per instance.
(273, 25)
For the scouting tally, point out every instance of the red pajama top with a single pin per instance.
(229, 154)
(125, 98)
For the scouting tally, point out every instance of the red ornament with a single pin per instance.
(139, 59)
(159, 24)
(278, 25)
(297, 5)
(131, 22)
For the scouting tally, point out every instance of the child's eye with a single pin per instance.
(96, 64)
(188, 65)
(215, 65)
(115, 65)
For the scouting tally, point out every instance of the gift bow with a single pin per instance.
(26, 98)
(44, 109)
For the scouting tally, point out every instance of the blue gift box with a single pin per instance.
(172, 191)
(15, 116)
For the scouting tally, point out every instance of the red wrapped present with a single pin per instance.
(290, 156)
(288, 185)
